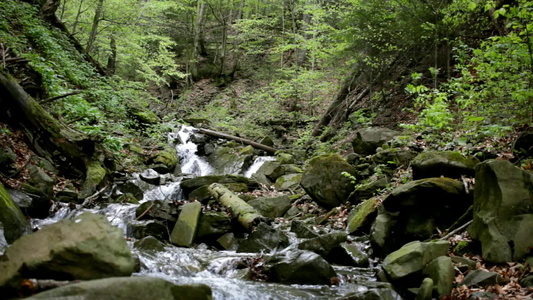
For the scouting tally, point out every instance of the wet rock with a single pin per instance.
(271, 169)
(441, 271)
(503, 211)
(189, 185)
(184, 230)
(288, 182)
(272, 207)
(165, 161)
(348, 255)
(368, 188)
(409, 260)
(523, 145)
(367, 140)
(129, 187)
(149, 243)
(360, 220)
(324, 244)
(443, 163)
(426, 289)
(226, 161)
(12, 218)
(323, 180)
(156, 209)
(264, 238)
(212, 226)
(125, 198)
(7, 157)
(284, 158)
(87, 247)
(134, 288)
(299, 267)
(142, 229)
(393, 157)
(150, 176)
(228, 241)
(482, 278)
(302, 231)
(383, 291)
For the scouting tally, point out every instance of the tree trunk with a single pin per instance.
(238, 139)
(244, 212)
(94, 28)
(75, 153)
(197, 36)
(112, 59)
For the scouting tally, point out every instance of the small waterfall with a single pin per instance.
(191, 163)
(258, 162)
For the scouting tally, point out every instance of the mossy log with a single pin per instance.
(244, 212)
(75, 153)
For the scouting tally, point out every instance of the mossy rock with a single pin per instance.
(288, 182)
(13, 220)
(167, 157)
(94, 177)
(323, 181)
(126, 198)
(363, 216)
(443, 163)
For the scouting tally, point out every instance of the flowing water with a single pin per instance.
(218, 269)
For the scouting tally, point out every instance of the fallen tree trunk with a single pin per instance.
(244, 212)
(75, 153)
(238, 139)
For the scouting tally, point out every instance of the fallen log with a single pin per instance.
(244, 212)
(238, 139)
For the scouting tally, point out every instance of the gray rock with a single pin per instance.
(212, 226)
(150, 176)
(288, 182)
(463, 262)
(272, 207)
(226, 161)
(412, 257)
(380, 234)
(13, 220)
(133, 288)
(129, 187)
(40, 180)
(165, 161)
(184, 230)
(482, 278)
(156, 209)
(441, 271)
(87, 247)
(323, 181)
(443, 163)
(527, 282)
(323, 244)
(425, 290)
(483, 296)
(503, 211)
(302, 231)
(299, 267)
(367, 140)
(393, 158)
(142, 229)
(7, 157)
(368, 188)
(228, 241)
(271, 169)
(348, 255)
(149, 243)
(266, 140)
(264, 238)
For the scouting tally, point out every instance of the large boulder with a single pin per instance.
(184, 230)
(368, 188)
(405, 265)
(503, 211)
(323, 244)
(272, 170)
(425, 205)
(367, 140)
(133, 288)
(87, 247)
(348, 255)
(523, 145)
(324, 182)
(191, 184)
(264, 238)
(299, 267)
(288, 182)
(212, 226)
(272, 207)
(12, 218)
(443, 163)
(441, 271)
(165, 160)
(381, 231)
(225, 160)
